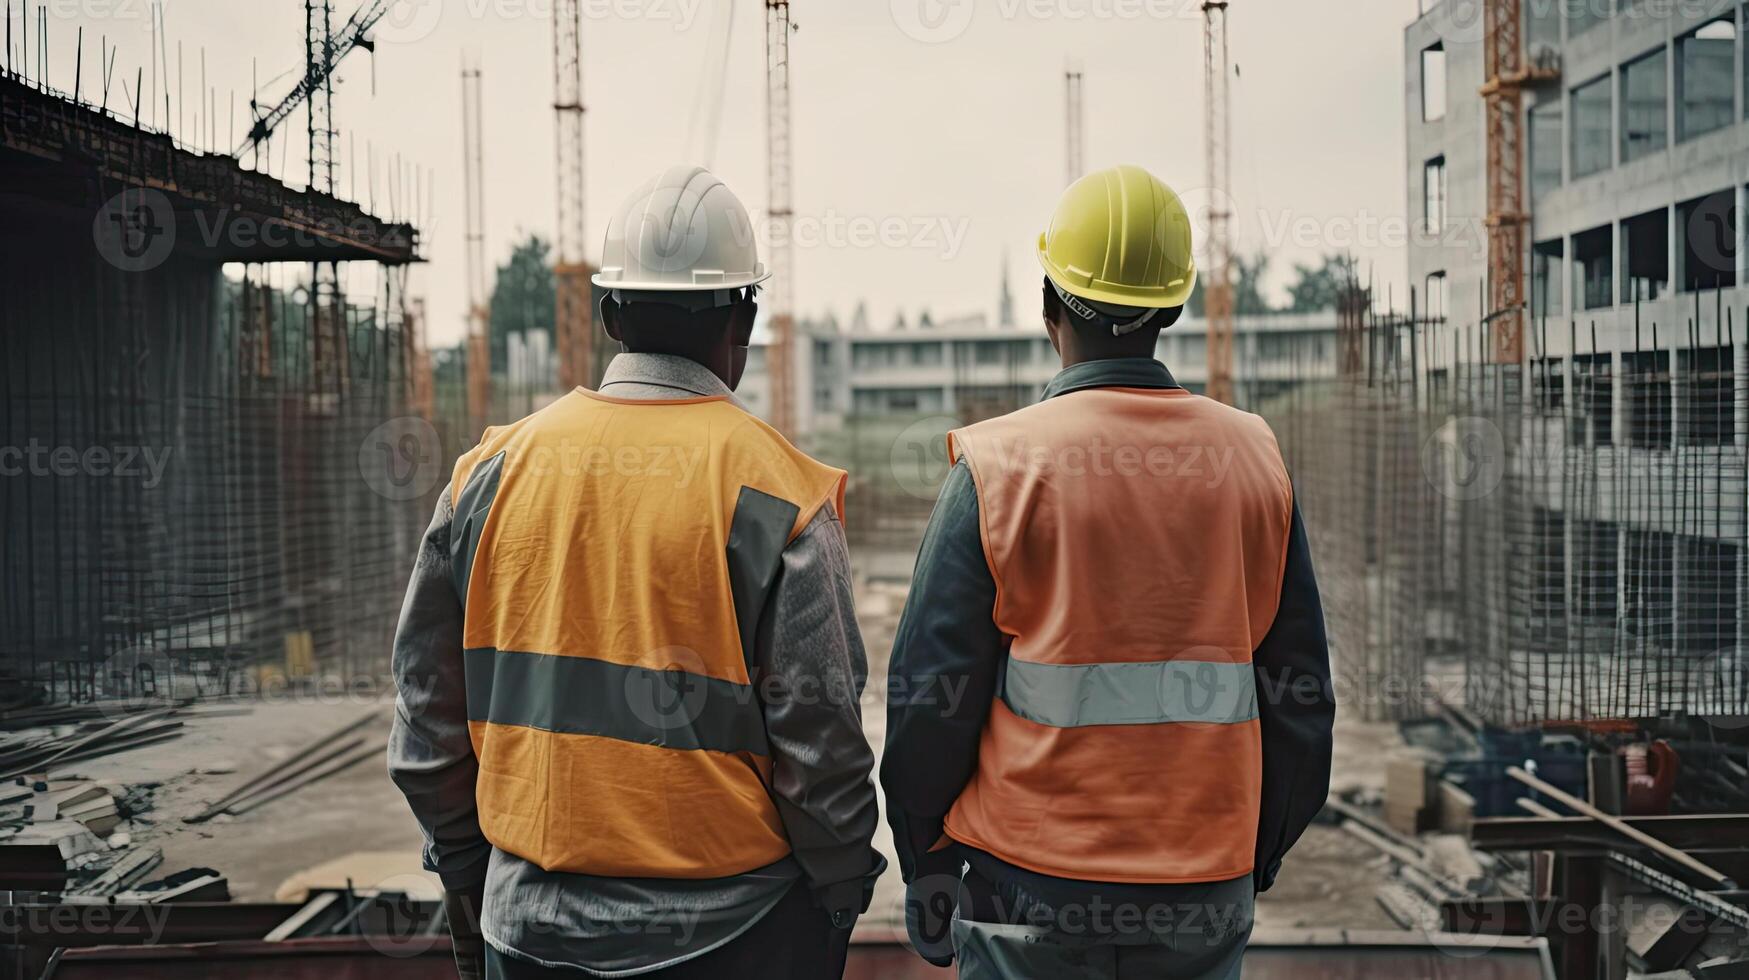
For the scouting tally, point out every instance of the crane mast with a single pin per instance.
(479, 359)
(1502, 95)
(1073, 126)
(1217, 135)
(780, 290)
(573, 312)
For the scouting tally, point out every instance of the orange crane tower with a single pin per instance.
(1507, 73)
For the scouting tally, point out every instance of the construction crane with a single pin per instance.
(324, 50)
(572, 314)
(479, 376)
(1217, 136)
(1073, 127)
(780, 287)
(1507, 73)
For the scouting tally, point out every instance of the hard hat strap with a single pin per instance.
(1129, 320)
(690, 300)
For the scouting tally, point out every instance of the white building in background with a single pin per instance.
(968, 367)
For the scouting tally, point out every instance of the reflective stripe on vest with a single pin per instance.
(1079, 695)
(1137, 540)
(613, 557)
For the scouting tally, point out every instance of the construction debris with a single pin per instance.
(332, 753)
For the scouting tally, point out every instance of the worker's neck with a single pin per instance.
(1080, 352)
(1077, 347)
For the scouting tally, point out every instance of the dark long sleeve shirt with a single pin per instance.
(948, 655)
(807, 645)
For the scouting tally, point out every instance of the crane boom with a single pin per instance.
(353, 34)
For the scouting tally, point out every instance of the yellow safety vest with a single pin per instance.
(613, 557)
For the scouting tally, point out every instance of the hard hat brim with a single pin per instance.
(1176, 293)
(672, 286)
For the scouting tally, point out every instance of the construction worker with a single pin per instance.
(628, 662)
(1109, 699)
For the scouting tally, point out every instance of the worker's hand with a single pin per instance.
(929, 908)
(462, 909)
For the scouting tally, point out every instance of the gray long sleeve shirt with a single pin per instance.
(807, 643)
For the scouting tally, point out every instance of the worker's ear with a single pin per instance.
(741, 317)
(610, 321)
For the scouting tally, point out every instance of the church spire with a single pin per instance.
(1005, 300)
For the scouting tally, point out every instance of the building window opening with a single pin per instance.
(1706, 230)
(1645, 256)
(1545, 148)
(1591, 128)
(1706, 66)
(1433, 195)
(1708, 396)
(1644, 88)
(1595, 573)
(1593, 401)
(1709, 595)
(1433, 83)
(1646, 377)
(1650, 587)
(1547, 260)
(1436, 295)
(1593, 272)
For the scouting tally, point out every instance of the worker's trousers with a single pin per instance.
(793, 941)
(1000, 932)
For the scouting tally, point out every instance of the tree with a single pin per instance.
(1317, 288)
(523, 296)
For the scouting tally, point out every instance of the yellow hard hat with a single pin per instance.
(1120, 236)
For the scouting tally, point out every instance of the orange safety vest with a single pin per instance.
(613, 557)
(1138, 539)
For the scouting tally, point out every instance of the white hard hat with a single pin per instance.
(682, 231)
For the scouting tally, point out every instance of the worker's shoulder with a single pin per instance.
(746, 433)
(496, 439)
(1221, 412)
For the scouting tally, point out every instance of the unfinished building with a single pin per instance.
(1596, 569)
(185, 427)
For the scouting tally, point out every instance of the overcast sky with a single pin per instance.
(929, 134)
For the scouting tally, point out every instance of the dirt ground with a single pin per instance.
(1328, 879)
